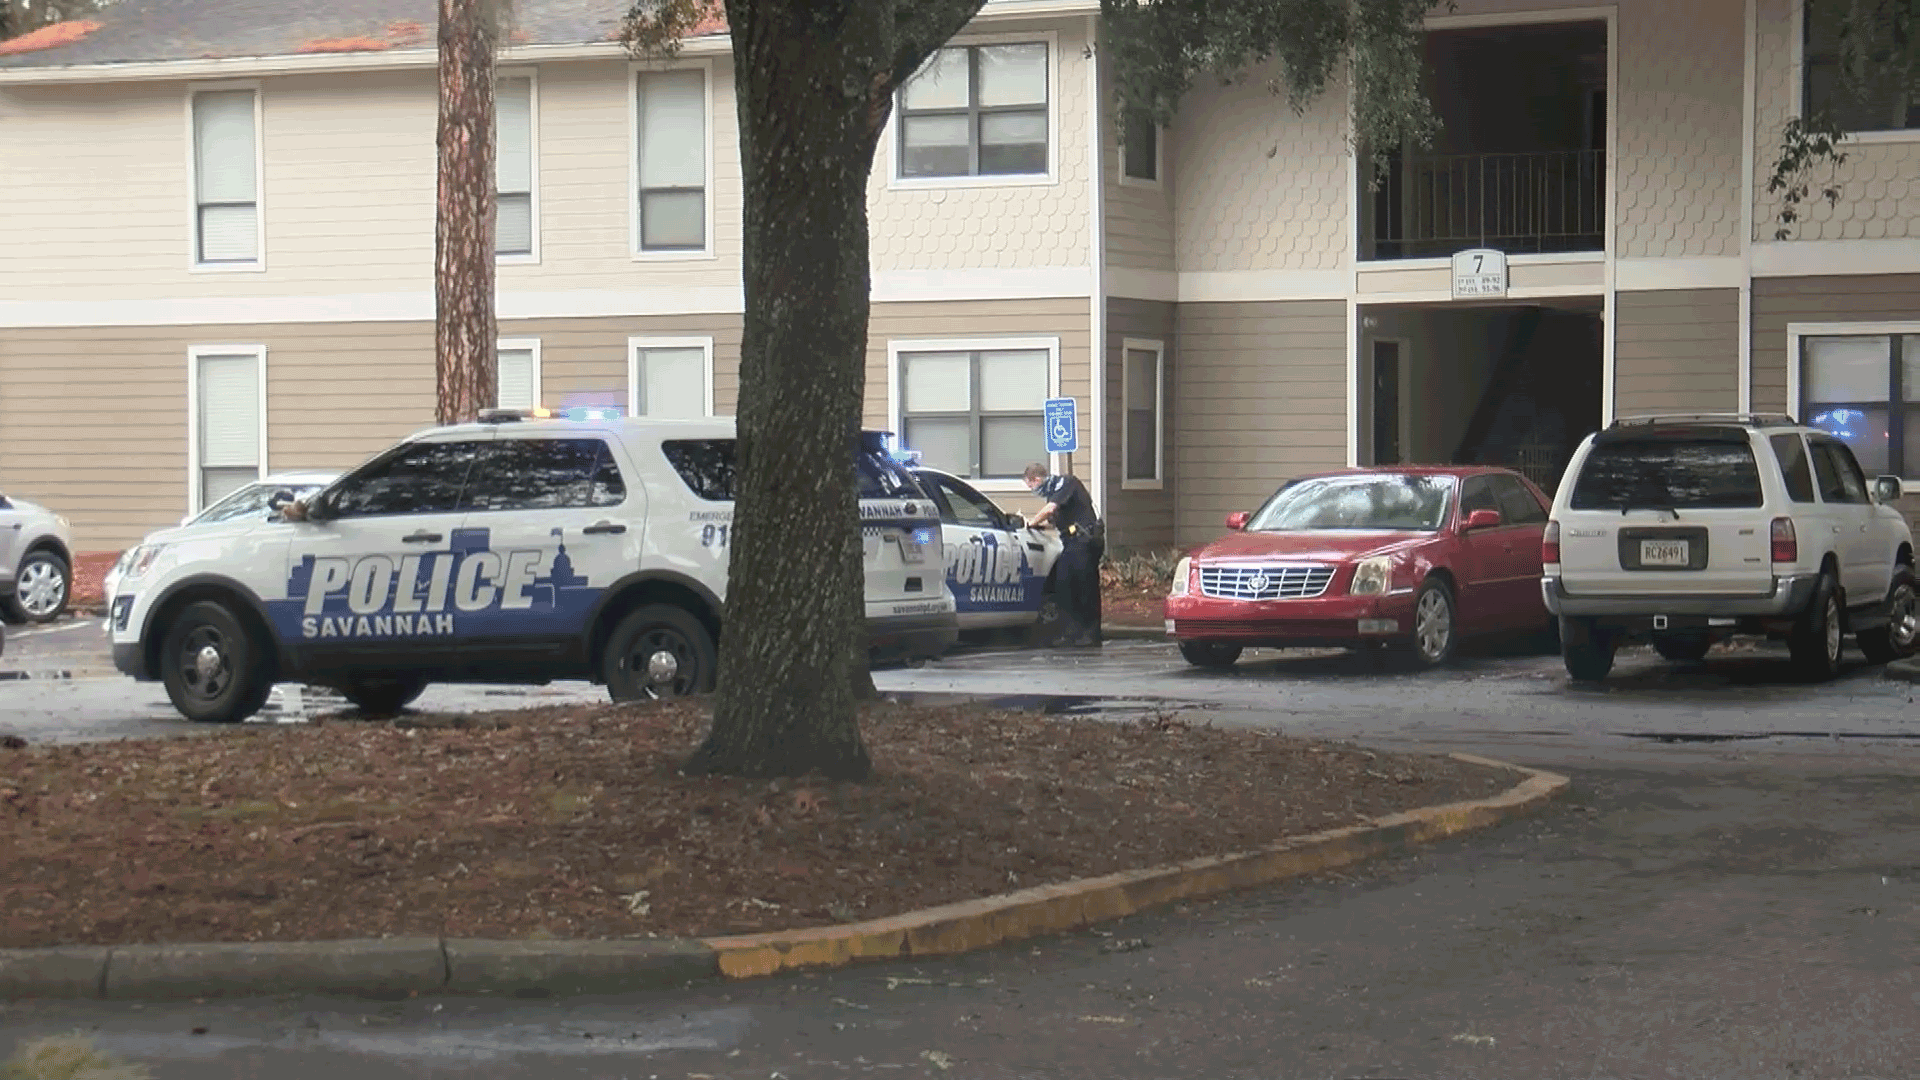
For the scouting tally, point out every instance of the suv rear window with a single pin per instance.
(1660, 474)
(707, 467)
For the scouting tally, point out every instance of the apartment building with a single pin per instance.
(218, 256)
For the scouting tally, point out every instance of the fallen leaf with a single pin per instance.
(894, 982)
(1106, 1020)
(637, 903)
(1475, 1040)
(806, 800)
(939, 1060)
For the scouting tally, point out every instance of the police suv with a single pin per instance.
(520, 549)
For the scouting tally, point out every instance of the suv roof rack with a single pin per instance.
(1746, 419)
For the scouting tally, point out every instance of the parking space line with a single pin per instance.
(22, 635)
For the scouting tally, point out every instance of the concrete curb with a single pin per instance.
(980, 924)
(1136, 632)
(1904, 670)
(401, 967)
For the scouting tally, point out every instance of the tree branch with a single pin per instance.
(920, 27)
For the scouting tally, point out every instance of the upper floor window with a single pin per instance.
(226, 175)
(670, 378)
(1864, 390)
(672, 140)
(976, 110)
(1140, 148)
(1886, 95)
(513, 166)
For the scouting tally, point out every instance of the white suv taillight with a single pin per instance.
(1786, 544)
(1550, 543)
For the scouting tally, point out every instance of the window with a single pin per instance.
(1517, 504)
(228, 426)
(1792, 454)
(1669, 474)
(415, 478)
(960, 504)
(1888, 99)
(1476, 493)
(544, 474)
(672, 139)
(669, 378)
(252, 502)
(1143, 382)
(1838, 474)
(517, 374)
(226, 194)
(977, 413)
(1864, 390)
(976, 110)
(513, 165)
(1140, 148)
(706, 466)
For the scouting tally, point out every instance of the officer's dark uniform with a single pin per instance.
(1078, 571)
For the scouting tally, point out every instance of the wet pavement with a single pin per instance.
(1731, 889)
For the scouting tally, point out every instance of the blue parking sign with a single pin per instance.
(1063, 426)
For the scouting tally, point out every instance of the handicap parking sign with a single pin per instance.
(1063, 426)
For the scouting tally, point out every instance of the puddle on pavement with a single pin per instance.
(1719, 737)
(1050, 704)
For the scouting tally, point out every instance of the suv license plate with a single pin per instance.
(1663, 553)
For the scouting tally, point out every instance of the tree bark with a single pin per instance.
(814, 81)
(465, 335)
(805, 73)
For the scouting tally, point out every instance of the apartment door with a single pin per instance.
(1388, 381)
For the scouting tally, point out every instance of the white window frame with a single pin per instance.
(890, 142)
(194, 354)
(259, 263)
(1796, 405)
(1159, 351)
(896, 419)
(635, 70)
(635, 344)
(1797, 89)
(1159, 158)
(532, 257)
(530, 344)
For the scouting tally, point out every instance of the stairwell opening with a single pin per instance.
(1511, 384)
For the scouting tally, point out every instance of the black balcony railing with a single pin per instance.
(1432, 206)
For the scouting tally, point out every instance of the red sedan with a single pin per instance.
(1406, 557)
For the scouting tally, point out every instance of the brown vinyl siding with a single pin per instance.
(1141, 518)
(1831, 299)
(1676, 350)
(585, 360)
(1263, 397)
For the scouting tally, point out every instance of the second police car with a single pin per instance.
(514, 550)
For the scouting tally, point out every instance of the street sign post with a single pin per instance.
(1063, 426)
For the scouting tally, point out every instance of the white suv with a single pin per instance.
(514, 550)
(1685, 530)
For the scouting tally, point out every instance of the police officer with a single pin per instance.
(1082, 541)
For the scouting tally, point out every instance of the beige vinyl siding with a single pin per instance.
(1263, 398)
(1676, 351)
(1678, 119)
(1779, 301)
(1139, 224)
(1139, 518)
(584, 361)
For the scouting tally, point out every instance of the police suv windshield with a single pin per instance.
(1393, 501)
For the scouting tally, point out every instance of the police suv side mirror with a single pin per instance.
(1016, 522)
(280, 500)
(1886, 489)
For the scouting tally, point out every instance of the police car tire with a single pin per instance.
(384, 697)
(670, 626)
(249, 682)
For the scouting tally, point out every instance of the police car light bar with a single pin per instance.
(578, 412)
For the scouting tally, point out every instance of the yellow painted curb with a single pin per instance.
(979, 924)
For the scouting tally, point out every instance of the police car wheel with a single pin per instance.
(384, 697)
(658, 652)
(212, 667)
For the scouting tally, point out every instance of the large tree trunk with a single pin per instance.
(792, 660)
(465, 337)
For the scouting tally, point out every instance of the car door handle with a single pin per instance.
(604, 527)
(421, 536)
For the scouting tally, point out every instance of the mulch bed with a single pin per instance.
(572, 822)
(89, 572)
